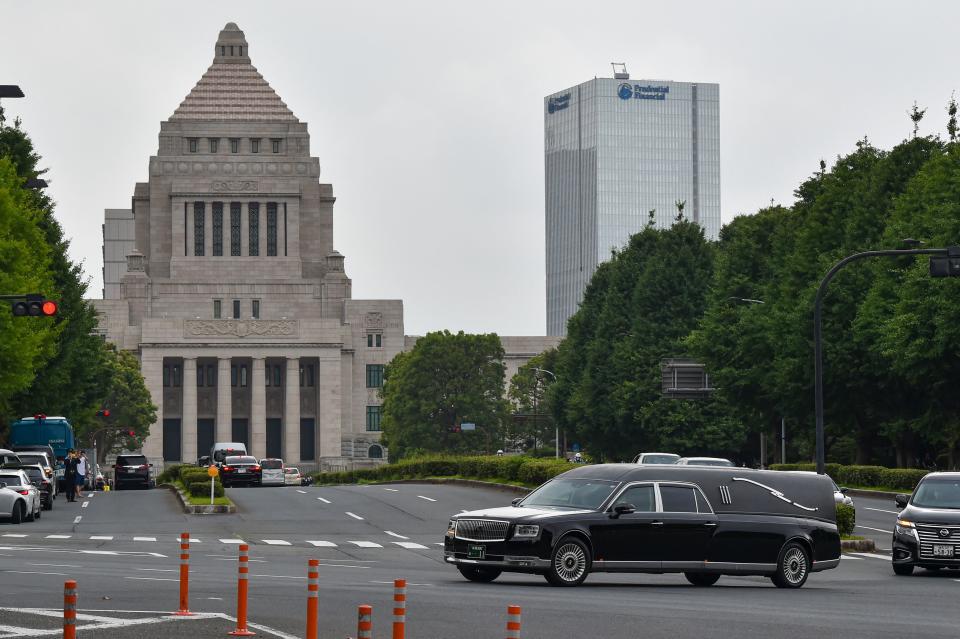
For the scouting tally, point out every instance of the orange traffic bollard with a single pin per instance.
(513, 622)
(243, 569)
(313, 597)
(399, 608)
(184, 576)
(69, 609)
(365, 622)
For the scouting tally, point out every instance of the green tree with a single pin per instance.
(445, 380)
(529, 397)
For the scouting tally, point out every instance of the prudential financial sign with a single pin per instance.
(628, 91)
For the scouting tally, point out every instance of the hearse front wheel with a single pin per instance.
(479, 574)
(903, 569)
(793, 566)
(701, 578)
(569, 563)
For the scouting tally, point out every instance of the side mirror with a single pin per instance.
(843, 489)
(623, 509)
(515, 501)
(901, 500)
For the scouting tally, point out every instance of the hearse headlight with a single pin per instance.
(451, 528)
(526, 531)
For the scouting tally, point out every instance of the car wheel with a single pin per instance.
(702, 578)
(793, 566)
(16, 516)
(479, 574)
(569, 563)
(31, 516)
(903, 569)
(37, 514)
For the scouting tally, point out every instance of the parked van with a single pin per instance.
(221, 450)
(271, 470)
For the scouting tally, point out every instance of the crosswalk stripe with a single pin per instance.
(58, 536)
(393, 534)
(367, 544)
(302, 492)
(392, 490)
(354, 516)
(322, 544)
(409, 545)
(102, 537)
(326, 501)
(427, 498)
(144, 538)
(275, 542)
(846, 556)
(17, 535)
(192, 541)
(230, 541)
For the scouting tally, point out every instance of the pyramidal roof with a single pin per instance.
(232, 88)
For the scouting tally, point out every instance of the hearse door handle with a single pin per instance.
(656, 523)
(711, 524)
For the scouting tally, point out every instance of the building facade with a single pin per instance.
(615, 151)
(231, 291)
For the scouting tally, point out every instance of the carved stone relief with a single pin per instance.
(234, 185)
(241, 328)
(373, 321)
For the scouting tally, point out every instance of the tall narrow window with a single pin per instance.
(284, 229)
(373, 418)
(233, 375)
(199, 375)
(255, 310)
(272, 229)
(166, 376)
(198, 226)
(267, 376)
(216, 309)
(276, 145)
(254, 234)
(310, 377)
(379, 340)
(234, 145)
(218, 229)
(254, 145)
(214, 144)
(236, 309)
(211, 375)
(374, 375)
(235, 228)
(176, 375)
(192, 142)
(243, 374)
(277, 375)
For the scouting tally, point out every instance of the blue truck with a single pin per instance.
(41, 430)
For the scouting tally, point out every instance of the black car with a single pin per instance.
(701, 521)
(240, 470)
(131, 470)
(927, 534)
(38, 477)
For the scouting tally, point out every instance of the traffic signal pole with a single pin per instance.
(952, 253)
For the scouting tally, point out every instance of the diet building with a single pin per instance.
(224, 279)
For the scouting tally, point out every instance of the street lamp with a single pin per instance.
(10, 91)
(556, 429)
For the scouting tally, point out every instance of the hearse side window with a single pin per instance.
(642, 497)
(678, 499)
(702, 505)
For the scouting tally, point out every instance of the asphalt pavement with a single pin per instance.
(123, 552)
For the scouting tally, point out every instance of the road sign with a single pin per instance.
(468, 426)
(212, 471)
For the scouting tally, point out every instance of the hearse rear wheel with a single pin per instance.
(569, 563)
(903, 569)
(701, 578)
(479, 574)
(793, 566)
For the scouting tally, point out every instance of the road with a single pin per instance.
(123, 553)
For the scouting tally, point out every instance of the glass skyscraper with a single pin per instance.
(615, 150)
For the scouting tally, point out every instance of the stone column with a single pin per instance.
(328, 378)
(258, 409)
(188, 425)
(224, 428)
(151, 365)
(291, 413)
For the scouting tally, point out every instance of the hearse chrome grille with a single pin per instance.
(932, 534)
(725, 496)
(482, 529)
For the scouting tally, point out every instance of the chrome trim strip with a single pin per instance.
(824, 564)
(776, 493)
(601, 564)
(508, 562)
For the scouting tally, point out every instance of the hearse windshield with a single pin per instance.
(571, 493)
(937, 493)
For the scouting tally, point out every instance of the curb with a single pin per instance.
(466, 482)
(858, 545)
(192, 509)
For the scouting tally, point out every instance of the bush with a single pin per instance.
(188, 477)
(867, 476)
(202, 489)
(171, 473)
(846, 519)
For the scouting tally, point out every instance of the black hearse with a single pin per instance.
(927, 533)
(702, 521)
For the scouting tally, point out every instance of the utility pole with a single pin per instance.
(783, 440)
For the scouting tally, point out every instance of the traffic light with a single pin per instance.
(948, 266)
(103, 412)
(34, 306)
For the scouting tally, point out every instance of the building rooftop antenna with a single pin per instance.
(620, 71)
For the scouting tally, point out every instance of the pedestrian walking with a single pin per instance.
(81, 472)
(70, 474)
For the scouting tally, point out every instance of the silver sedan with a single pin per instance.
(20, 500)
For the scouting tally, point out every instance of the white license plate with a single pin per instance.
(942, 551)
(241, 471)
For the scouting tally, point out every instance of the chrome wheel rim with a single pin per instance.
(570, 562)
(795, 566)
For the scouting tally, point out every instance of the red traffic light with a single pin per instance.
(49, 308)
(34, 306)
(103, 412)
(131, 433)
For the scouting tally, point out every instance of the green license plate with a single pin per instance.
(475, 551)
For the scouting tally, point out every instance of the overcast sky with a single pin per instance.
(427, 117)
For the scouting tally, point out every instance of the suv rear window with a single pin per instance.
(34, 473)
(271, 464)
(131, 460)
(241, 460)
(11, 480)
(32, 458)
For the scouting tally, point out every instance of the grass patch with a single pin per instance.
(201, 501)
(852, 538)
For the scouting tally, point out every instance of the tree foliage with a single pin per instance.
(532, 424)
(128, 400)
(444, 381)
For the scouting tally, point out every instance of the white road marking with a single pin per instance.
(191, 540)
(438, 543)
(144, 538)
(102, 537)
(231, 541)
(76, 520)
(215, 598)
(846, 556)
(99, 552)
(392, 490)
(393, 534)
(16, 535)
(35, 572)
(355, 516)
(322, 544)
(90, 495)
(157, 569)
(366, 544)
(881, 510)
(58, 536)
(275, 542)
(85, 504)
(464, 511)
(151, 579)
(326, 501)
(391, 583)
(302, 492)
(427, 498)
(82, 552)
(889, 532)
(409, 545)
(873, 555)
(58, 565)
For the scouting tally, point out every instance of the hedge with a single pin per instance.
(846, 519)
(513, 468)
(865, 476)
(171, 473)
(202, 489)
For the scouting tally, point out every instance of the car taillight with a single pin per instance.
(256, 468)
(24, 492)
(226, 469)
